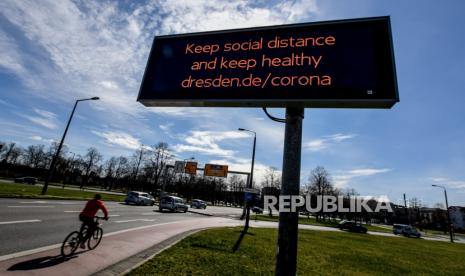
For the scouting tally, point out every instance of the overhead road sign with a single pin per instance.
(216, 170)
(191, 167)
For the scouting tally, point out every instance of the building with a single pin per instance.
(457, 217)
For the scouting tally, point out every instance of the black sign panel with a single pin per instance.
(348, 63)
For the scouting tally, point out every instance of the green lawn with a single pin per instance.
(313, 221)
(16, 190)
(319, 253)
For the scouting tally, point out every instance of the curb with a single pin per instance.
(125, 266)
(199, 213)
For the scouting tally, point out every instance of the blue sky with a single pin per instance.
(54, 52)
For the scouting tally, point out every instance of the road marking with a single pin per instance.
(132, 220)
(150, 214)
(114, 215)
(33, 202)
(29, 206)
(58, 245)
(72, 211)
(19, 221)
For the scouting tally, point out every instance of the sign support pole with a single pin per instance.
(286, 256)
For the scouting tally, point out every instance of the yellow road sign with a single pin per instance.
(216, 170)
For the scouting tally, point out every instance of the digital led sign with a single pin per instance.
(347, 63)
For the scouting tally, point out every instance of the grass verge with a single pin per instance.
(313, 221)
(16, 190)
(323, 253)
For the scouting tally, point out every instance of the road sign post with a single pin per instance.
(286, 259)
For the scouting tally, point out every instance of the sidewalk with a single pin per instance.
(114, 248)
(122, 250)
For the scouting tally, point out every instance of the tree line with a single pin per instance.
(150, 169)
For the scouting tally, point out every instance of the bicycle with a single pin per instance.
(73, 240)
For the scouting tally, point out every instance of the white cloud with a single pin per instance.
(119, 138)
(43, 118)
(11, 59)
(95, 48)
(182, 16)
(454, 184)
(343, 178)
(326, 141)
(206, 142)
(40, 138)
(166, 127)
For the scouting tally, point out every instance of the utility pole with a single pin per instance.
(447, 212)
(286, 258)
(407, 211)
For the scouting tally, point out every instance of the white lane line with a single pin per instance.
(58, 245)
(19, 221)
(150, 214)
(132, 220)
(33, 202)
(29, 206)
(114, 215)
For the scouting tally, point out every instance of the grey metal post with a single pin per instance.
(448, 217)
(286, 257)
(447, 212)
(57, 153)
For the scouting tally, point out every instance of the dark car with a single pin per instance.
(199, 204)
(26, 179)
(352, 226)
(257, 210)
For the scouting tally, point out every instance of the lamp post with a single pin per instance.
(447, 212)
(251, 174)
(55, 157)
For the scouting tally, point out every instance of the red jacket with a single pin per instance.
(92, 207)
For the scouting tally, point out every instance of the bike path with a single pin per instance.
(114, 248)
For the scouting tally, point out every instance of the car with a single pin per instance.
(352, 226)
(173, 203)
(26, 179)
(411, 231)
(139, 198)
(199, 204)
(257, 210)
(397, 229)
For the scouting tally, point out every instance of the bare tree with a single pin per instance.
(156, 162)
(236, 186)
(271, 178)
(319, 184)
(136, 161)
(34, 156)
(91, 162)
(7, 152)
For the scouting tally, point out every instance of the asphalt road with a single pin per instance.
(29, 224)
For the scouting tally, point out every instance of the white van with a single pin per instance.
(173, 203)
(139, 198)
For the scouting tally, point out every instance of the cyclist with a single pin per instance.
(87, 216)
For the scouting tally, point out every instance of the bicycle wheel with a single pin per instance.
(95, 239)
(70, 244)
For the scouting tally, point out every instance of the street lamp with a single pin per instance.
(251, 173)
(55, 157)
(447, 212)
